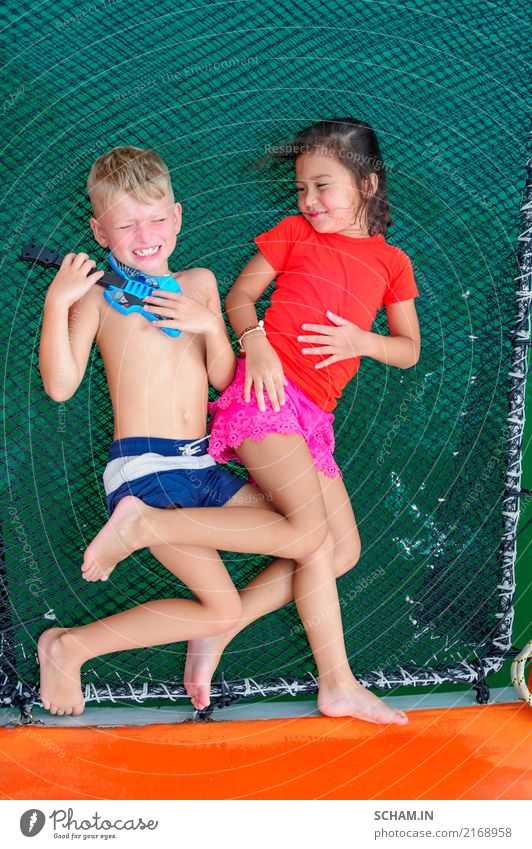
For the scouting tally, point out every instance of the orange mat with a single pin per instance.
(457, 753)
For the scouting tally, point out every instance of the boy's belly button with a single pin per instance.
(190, 416)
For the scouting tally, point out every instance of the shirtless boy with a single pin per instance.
(158, 386)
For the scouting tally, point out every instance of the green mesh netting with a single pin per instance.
(431, 456)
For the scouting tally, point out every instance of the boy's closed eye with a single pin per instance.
(127, 226)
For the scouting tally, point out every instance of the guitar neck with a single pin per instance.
(51, 259)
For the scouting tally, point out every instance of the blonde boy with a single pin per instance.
(158, 386)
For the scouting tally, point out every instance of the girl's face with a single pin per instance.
(327, 195)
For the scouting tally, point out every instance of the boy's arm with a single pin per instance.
(70, 322)
(201, 314)
(220, 358)
(344, 340)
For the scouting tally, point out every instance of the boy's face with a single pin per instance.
(140, 234)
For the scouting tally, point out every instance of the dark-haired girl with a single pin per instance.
(333, 270)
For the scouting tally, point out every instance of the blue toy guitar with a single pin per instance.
(125, 287)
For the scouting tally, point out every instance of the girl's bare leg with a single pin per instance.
(272, 588)
(314, 590)
(296, 529)
(62, 651)
(316, 597)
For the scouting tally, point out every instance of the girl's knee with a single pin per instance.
(346, 555)
(311, 541)
(313, 555)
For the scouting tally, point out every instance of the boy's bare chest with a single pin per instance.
(132, 344)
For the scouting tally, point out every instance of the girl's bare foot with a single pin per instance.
(60, 673)
(354, 700)
(203, 656)
(118, 538)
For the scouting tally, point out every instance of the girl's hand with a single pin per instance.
(73, 280)
(341, 342)
(182, 313)
(263, 370)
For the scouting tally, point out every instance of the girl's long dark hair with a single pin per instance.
(354, 143)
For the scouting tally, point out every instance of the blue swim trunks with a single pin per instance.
(167, 473)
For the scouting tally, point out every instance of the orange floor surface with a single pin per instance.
(456, 753)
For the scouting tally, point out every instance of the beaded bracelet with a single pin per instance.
(259, 326)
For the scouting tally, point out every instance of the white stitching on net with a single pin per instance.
(292, 688)
(138, 698)
(311, 675)
(168, 693)
(251, 686)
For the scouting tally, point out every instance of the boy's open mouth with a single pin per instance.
(147, 253)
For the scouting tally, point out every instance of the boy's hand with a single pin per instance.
(73, 280)
(182, 313)
(263, 370)
(342, 341)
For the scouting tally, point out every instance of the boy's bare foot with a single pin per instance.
(60, 673)
(203, 656)
(118, 538)
(354, 700)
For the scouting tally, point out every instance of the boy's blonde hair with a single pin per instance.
(133, 170)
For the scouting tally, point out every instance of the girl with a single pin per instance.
(333, 271)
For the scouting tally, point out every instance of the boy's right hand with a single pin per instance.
(263, 370)
(73, 280)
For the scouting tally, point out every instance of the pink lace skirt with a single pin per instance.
(234, 420)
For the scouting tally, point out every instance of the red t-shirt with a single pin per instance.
(316, 272)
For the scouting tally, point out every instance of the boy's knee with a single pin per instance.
(229, 614)
(346, 555)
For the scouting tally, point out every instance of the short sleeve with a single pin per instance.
(401, 285)
(275, 244)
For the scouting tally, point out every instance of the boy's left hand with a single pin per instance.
(181, 313)
(342, 341)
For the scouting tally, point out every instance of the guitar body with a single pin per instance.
(139, 286)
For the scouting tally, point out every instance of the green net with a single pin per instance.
(431, 456)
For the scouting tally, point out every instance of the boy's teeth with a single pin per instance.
(147, 251)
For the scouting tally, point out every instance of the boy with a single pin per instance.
(158, 386)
